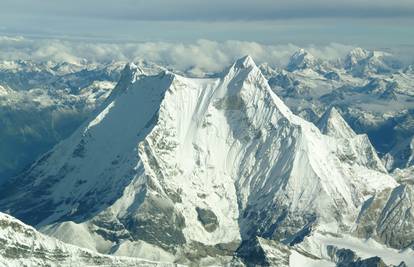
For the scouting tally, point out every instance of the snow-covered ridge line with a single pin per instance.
(21, 244)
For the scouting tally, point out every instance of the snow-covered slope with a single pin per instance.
(188, 168)
(370, 90)
(345, 250)
(42, 103)
(361, 62)
(352, 148)
(332, 124)
(22, 245)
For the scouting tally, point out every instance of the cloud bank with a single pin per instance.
(198, 57)
(202, 55)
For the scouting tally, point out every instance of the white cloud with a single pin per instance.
(200, 56)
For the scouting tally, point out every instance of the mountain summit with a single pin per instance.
(361, 62)
(332, 123)
(301, 59)
(188, 170)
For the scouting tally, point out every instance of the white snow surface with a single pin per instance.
(228, 145)
(22, 245)
(332, 124)
(318, 242)
(299, 260)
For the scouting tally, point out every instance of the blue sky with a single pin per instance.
(379, 23)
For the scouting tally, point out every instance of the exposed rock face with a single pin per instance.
(343, 257)
(389, 217)
(262, 252)
(207, 218)
(348, 258)
(22, 245)
(401, 156)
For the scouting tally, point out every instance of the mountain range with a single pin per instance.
(255, 165)
(219, 171)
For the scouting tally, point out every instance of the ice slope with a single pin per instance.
(193, 166)
(351, 148)
(22, 245)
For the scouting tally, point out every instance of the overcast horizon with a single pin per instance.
(382, 24)
(200, 33)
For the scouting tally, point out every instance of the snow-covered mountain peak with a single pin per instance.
(267, 70)
(245, 62)
(131, 72)
(333, 124)
(181, 164)
(383, 88)
(362, 62)
(129, 75)
(240, 70)
(350, 146)
(301, 59)
(355, 55)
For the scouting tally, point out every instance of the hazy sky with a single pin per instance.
(373, 23)
(210, 10)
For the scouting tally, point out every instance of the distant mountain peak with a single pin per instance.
(363, 62)
(333, 124)
(359, 53)
(301, 59)
(245, 62)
